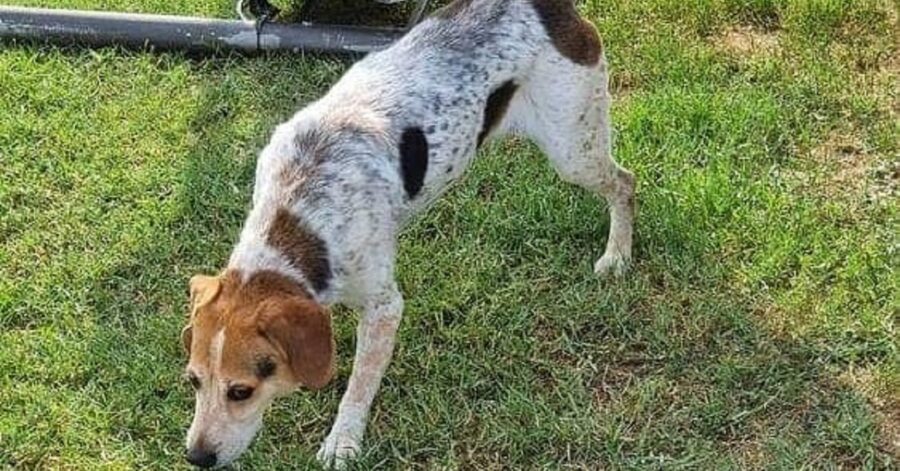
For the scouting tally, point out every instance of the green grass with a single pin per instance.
(758, 329)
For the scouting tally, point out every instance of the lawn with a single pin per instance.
(758, 328)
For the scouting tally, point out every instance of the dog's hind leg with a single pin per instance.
(564, 107)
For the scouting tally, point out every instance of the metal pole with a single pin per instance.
(67, 27)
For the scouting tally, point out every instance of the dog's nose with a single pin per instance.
(200, 457)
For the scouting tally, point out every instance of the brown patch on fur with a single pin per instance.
(204, 289)
(497, 104)
(266, 316)
(573, 36)
(304, 249)
(302, 331)
(187, 336)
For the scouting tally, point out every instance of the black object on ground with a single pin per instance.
(192, 34)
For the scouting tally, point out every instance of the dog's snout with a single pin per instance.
(198, 456)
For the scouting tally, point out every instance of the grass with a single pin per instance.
(757, 330)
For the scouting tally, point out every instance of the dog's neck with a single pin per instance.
(254, 254)
(274, 238)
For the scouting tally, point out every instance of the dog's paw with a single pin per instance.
(612, 264)
(339, 448)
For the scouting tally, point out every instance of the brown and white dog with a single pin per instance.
(339, 180)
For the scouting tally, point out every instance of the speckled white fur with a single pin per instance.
(335, 164)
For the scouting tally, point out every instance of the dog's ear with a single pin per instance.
(204, 290)
(186, 337)
(301, 330)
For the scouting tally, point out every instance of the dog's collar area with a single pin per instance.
(270, 280)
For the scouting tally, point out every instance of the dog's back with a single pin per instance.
(464, 52)
(404, 123)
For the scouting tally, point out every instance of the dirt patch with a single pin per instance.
(621, 85)
(886, 181)
(884, 396)
(842, 166)
(884, 81)
(853, 170)
(747, 41)
(847, 160)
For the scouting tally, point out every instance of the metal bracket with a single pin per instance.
(250, 10)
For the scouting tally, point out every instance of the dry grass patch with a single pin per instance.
(844, 167)
(846, 161)
(748, 42)
(621, 86)
(853, 170)
(883, 393)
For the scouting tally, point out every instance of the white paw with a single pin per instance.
(612, 264)
(339, 448)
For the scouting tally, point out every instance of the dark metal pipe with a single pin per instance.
(67, 27)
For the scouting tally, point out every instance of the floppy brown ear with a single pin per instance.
(204, 289)
(186, 337)
(301, 329)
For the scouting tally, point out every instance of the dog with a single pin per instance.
(340, 179)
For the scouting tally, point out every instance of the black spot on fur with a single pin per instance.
(413, 160)
(497, 103)
(265, 367)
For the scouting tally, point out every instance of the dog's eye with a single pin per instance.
(194, 380)
(239, 393)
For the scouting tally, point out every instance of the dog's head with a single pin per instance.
(249, 341)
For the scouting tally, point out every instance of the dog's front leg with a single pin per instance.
(375, 337)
